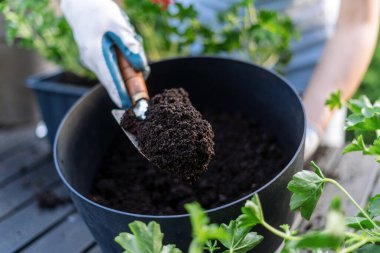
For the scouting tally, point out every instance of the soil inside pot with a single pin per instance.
(174, 136)
(246, 157)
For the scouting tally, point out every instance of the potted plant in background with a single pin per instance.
(40, 26)
(17, 105)
(37, 25)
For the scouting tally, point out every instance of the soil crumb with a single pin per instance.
(50, 200)
(174, 135)
(247, 157)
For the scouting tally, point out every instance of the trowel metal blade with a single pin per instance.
(118, 115)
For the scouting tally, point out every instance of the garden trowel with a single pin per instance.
(138, 93)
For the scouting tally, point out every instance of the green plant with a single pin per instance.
(341, 234)
(364, 122)
(261, 36)
(360, 233)
(37, 25)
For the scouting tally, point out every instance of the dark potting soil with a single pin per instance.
(174, 136)
(246, 157)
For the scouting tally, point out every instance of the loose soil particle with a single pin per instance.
(247, 157)
(174, 136)
(50, 200)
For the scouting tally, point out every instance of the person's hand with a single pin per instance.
(312, 142)
(99, 26)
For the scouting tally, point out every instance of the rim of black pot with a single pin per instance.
(211, 210)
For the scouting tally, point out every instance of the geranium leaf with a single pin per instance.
(374, 206)
(252, 213)
(239, 239)
(307, 187)
(335, 100)
(144, 239)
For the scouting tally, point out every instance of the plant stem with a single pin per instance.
(352, 235)
(355, 246)
(352, 200)
(279, 233)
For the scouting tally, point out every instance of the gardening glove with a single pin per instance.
(312, 141)
(99, 26)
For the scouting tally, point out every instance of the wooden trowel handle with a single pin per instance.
(134, 80)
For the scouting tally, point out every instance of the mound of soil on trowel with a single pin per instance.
(174, 136)
(247, 156)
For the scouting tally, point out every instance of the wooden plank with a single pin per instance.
(28, 223)
(26, 158)
(70, 236)
(354, 172)
(12, 138)
(327, 158)
(13, 195)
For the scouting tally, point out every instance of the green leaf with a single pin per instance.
(332, 236)
(374, 206)
(356, 105)
(317, 169)
(202, 230)
(211, 246)
(307, 187)
(252, 213)
(369, 248)
(356, 145)
(365, 116)
(335, 100)
(239, 239)
(170, 249)
(290, 247)
(360, 223)
(359, 145)
(144, 239)
(318, 240)
(361, 122)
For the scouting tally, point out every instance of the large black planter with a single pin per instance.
(229, 85)
(55, 98)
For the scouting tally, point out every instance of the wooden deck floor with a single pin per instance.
(27, 170)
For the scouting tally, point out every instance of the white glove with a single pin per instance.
(99, 26)
(312, 142)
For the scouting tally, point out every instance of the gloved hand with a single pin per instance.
(312, 141)
(99, 26)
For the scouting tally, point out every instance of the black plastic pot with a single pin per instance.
(55, 98)
(229, 85)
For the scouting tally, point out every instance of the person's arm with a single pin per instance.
(345, 58)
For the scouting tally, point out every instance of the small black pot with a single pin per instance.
(55, 97)
(223, 84)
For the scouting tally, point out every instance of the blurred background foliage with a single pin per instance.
(262, 36)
